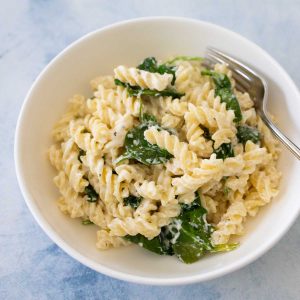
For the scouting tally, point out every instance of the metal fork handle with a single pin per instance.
(283, 138)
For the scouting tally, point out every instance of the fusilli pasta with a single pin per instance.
(102, 146)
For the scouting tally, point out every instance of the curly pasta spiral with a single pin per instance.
(105, 240)
(264, 188)
(231, 223)
(144, 79)
(170, 121)
(118, 100)
(105, 81)
(74, 205)
(209, 169)
(101, 133)
(253, 156)
(130, 173)
(83, 139)
(176, 107)
(148, 219)
(105, 113)
(194, 135)
(122, 125)
(187, 76)
(55, 156)
(150, 190)
(198, 94)
(171, 143)
(72, 166)
(77, 108)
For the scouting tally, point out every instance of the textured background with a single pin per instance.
(31, 34)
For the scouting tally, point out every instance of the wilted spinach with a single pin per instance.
(195, 233)
(223, 89)
(133, 201)
(138, 91)
(155, 245)
(224, 151)
(150, 64)
(138, 148)
(91, 194)
(246, 133)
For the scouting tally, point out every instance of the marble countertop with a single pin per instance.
(31, 34)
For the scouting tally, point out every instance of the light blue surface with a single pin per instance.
(31, 34)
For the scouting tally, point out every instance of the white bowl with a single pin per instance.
(128, 43)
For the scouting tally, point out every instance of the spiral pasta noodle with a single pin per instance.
(144, 79)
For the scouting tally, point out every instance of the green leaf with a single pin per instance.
(193, 239)
(138, 148)
(224, 151)
(138, 91)
(223, 89)
(133, 201)
(184, 58)
(155, 245)
(91, 193)
(87, 222)
(147, 118)
(150, 65)
(221, 80)
(188, 248)
(246, 133)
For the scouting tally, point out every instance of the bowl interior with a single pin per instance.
(97, 54)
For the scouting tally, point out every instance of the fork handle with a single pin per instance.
(283, 138)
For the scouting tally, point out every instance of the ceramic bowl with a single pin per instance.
(128, 43)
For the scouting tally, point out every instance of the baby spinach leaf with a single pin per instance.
(155, 245)
(150, 64)
(133, 201)
(194, 235)
(91, 193)
(224, 151)
(191, 206)
(245, 133)
(223, 89)
(221, 80)
(147, 118)
(138, 148)
(137, 91)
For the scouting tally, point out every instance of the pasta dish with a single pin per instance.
(166, 155)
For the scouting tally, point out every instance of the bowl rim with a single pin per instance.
(245, 260)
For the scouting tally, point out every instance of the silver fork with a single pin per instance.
(249, 81)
